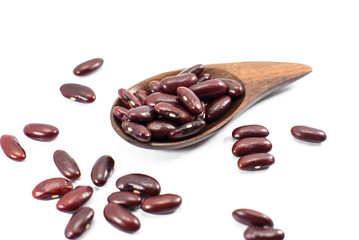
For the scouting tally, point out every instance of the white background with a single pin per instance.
(311, 190)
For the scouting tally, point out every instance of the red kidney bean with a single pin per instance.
(79, 222)
(121, 218)
(160, 128)
(126, 199)
(158, 97)
(196, 70)
(128, 99)
(66, 165)
(173, 112)
(52, 188)
(12, 148)
(189, 100)
(154, 86)
(171, 83)
(74, 199)
(139, 183)
(259, 233)
(202, 115)
(141, 95)
(235, 89)
(137, 131)
(308, 134)
(255, 161)
(101, 170)
(78, 92)
(161, 204)
(141, 114)
(250, 131)
(41, 132)
(217, 107)
(251, 217)
(88, 66)
(120, 113)
(251, 145)
(204, 77)
(187, 130)
(210, 89)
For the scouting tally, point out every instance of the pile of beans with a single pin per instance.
(177, 107)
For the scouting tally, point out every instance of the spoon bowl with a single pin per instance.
(259, 79)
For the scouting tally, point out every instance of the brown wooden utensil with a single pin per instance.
(258, 78)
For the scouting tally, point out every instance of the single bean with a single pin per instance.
(128, 99)
(158, 97)
(141, 95)
(196, 70)
(217, 107)
(209, 90)
(141, 114)
(41, 132)
(101, 170)
(154, 86)
(12, 148)
(120, 113)
(171, 83)
(79, 222)
(160, 128)
(88, 66)
(121, 218)
(251, 145)
(74, 199)
(161, 204)
(52, 188)
(235, 88)
(173, 112)
(251, 217)
(187, 130)
(126, 199)
(259, 233)
(137, 131)
(139, 183)
(189, 100)
(250, 131)
(204, 77)
(66, 165)
(202, 115)
(308, 134)
(255, 161)
(78, 93)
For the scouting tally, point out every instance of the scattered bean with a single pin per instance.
(52, 188)
(259, 233)
(101, 170)
(79, 222)
(126, 199)
(41, 132)
(251, 145)
(139, 183)
(66, 165)
(12, 148)
(74, 199)
(161, 204)
(88, 66)
(250, 131)
(308, 134)
(78, 92)
(251, 217)
(121, 218)
(255, 161)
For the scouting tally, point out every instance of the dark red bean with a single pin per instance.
(251, 217)
(120, 113)
(78, 93)
(141, 95)
(128, 99)
(204, 77)
(141, 114)
(158, 97)
(41, 132)
(189, 100)
(88, 66)
(251, 145)
(121, 218)
(173, 112)
(79, 222)
(154, 86)
(139, 183)
(160, 128)
(235, 88)
(170, 84)
(250, 131)
(74, 199)
(209, 90)
(196, 70)
(161, 204)
(259, 233)
(101, 170)
(255, 161)
(308, 134)
(66, 165)
(137, 131)
(52, 188)
(126, 199)
(187, 130)
(12, 148)
(217, 108)
(202, 115)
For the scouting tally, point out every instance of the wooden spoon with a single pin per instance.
(258, 78)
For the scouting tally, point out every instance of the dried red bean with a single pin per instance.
(88, 66)
(154, 86)
(196, 70)
(66, 165)
(251, 217)
(12, 148)
(259, 233)
(79, 222)
(189, 100)
(137, 131)
(235, 88)
(41, 132)
(120, 113)
(101, 170)
(52, 188)
(217, 108)
(139, 183)
(141, 95)
(160, 128)
(161, 204)
(128, 99)
(210, 89)
(74, 199)
(251, 145)
(255, 161)
(187, 130)
(204, 77)
(141, 114)
(158, 97)
(250, 131)
(78, 92)
(202, 115)
(171, 83)
(173, 112)
(121, 218)
(126, 199)
(308, 134)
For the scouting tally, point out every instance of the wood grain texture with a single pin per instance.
(258, 78)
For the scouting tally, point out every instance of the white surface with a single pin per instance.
(310, 192)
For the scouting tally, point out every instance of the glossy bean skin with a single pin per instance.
(79, 222)
(251, 145)
(235, 89)
(196, 70)
(187, 130)
(255, 161)
(66, 165)
(173, 112)
(141, 95)
(128, 99)
(259, 233)
(171, 83)
(204, 77)
(126, 199)
(251, 217)
(139, 183)
(137, 131)
(41, 132)
(161, 204)
(158, 97)
(141, 114)
(121, 218)
(189, 100)
(88, 67)
(250, 131)
(154, 86)
(120, 113)
(12, 148)
(202, 115)
(217, 107)
(78, 93)
(209, 90)
(308, 134)
(101, 170)
(160, 128)
(52, 188)
(74, 199)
